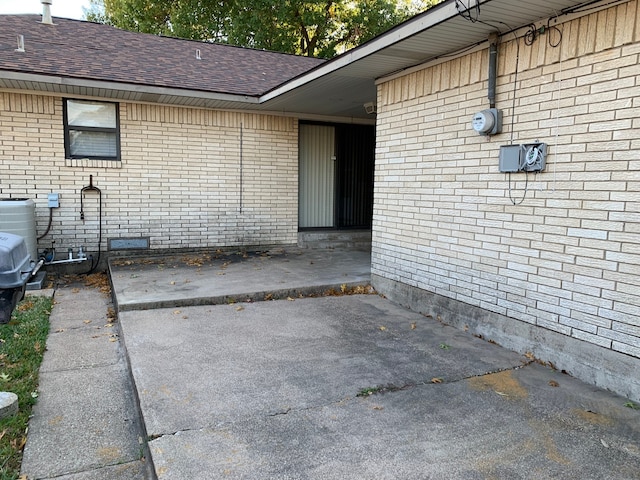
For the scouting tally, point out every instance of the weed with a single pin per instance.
(632, 405)
(365, 392)
(21, 351)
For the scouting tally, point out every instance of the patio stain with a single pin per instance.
(502, 383)
(544, 436)
(109, 454)
(592, 417)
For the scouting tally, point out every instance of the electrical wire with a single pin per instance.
(465, 11)
(526, 189)
(550, 28)
(533, 32)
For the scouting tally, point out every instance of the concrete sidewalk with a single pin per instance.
(327, 387)
(86, 423)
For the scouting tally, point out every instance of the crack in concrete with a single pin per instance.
(283, 412)
(378, 390)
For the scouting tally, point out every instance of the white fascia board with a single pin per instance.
(125, 87)
(436, 15)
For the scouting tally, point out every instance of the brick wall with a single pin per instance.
(184, 180)
(567, 258)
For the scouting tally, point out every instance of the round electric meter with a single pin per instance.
(483, 122)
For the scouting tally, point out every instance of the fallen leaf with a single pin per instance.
(553, 383)
(87, 322)
(436, 380)
(382, 327)
(177, 312)
(112, 339)
(291, 299)
(172, 283)
(413, 326)
(239, 308)
(377, 407)
(343, 287)
(60, 330)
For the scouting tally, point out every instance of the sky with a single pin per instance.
(59, 8)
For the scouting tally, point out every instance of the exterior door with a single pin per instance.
(316, 193)
(355, 145)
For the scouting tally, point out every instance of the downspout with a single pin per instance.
(493, 69)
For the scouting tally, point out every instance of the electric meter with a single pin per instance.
(487, 122)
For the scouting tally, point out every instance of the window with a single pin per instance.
(91, 130)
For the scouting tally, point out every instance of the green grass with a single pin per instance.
(22, 345)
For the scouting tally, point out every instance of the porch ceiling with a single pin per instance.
(342, 86)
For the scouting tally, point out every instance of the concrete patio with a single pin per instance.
(343, 386)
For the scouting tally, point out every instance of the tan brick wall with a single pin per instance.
(180, 181)
(568, 257)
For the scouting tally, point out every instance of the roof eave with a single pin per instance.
(116, 90)
(434, 16)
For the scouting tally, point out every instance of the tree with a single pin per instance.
(319, 28)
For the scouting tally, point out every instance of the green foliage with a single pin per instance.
(22, 345)
(320, 28)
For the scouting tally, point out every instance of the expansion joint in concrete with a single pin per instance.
(389, 388)
(499, 370)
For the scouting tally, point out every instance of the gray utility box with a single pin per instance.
(15, 271)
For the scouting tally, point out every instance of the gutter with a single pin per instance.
(68, 83)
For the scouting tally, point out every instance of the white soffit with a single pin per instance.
(438, 32)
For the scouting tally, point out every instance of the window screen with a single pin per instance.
(91, 130)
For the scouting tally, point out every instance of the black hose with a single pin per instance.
(48, 226)
(92, 188)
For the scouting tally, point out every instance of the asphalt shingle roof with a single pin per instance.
(74, 48)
